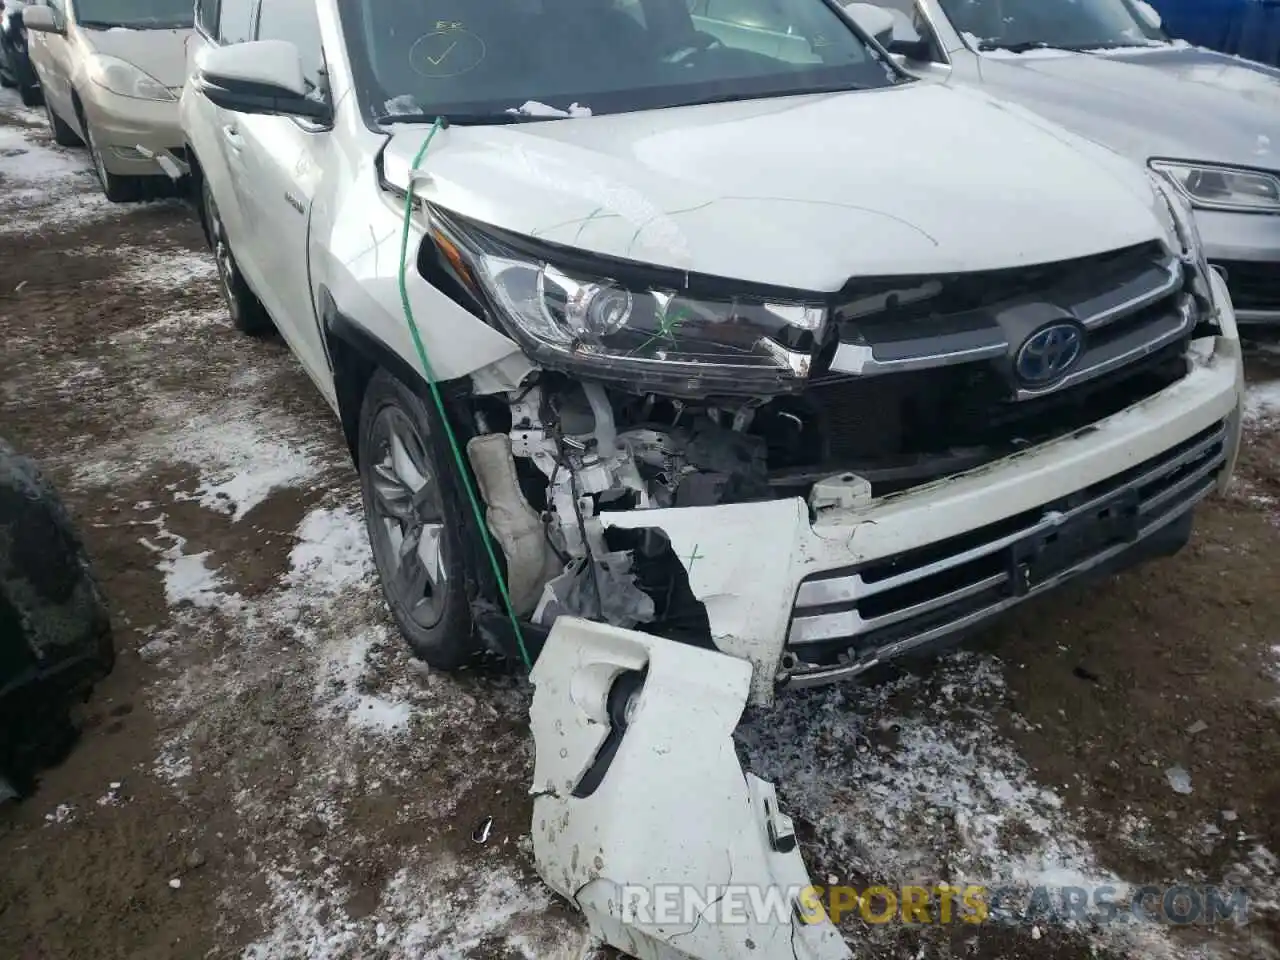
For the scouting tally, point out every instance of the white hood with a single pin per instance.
(802, 192)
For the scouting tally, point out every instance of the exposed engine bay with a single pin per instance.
(911, 383)
(580, 449)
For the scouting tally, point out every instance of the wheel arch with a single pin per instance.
(354, 354)
(196, 173)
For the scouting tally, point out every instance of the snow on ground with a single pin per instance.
(45, 186)
(1262, 401)
(913, 782)
(243, 452)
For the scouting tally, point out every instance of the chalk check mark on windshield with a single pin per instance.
(436, 61)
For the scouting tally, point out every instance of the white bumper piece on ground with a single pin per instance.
(642, 813)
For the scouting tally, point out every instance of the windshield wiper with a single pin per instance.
(1021, 47)
(1027, 45)
(153, 24)
(458, 119)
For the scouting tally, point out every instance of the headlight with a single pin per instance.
(120, 76)
(662, 329)
(1223, 188)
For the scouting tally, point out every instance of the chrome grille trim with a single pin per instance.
(828, 607)
(1143, 342)
(1172, 279)
(1094, 313)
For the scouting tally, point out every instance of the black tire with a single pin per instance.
(63, 135)
(7, 82)
(247, 312)
(118, 189)
(437, 625)
(31, 96)
(55, 634)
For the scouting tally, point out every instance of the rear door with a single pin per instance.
(283, 160)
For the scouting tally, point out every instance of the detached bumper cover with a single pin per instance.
(937, 559)
(643, 818)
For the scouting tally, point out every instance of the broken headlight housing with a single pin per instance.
(664, 330)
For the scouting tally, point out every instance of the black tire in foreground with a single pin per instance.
(408, 480)
(55, 634)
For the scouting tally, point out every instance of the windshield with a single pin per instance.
(1067, 24)
(139, 14)
(483, 58)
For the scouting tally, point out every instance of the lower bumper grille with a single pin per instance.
(845, 621)
(1253, 285)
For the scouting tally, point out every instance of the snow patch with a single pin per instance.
(414, 918)
(1262, 400)
(342, 675)
(928, 791)
(243, 454)
(47, 187)
(332, 553)
(170, 269)
(187, 577)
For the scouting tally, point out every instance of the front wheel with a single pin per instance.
(31, 96)
(416, 538)
(117, 188)
(247, 312)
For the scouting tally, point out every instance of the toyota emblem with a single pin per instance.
(1049, 353)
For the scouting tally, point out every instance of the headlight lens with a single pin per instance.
(1223, 188)
(651, 331)
(123, 78)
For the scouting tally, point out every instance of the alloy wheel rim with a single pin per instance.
(222, 254)
(408, 524)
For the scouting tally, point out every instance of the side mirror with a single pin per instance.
(41, 20)
(918, 51)
(260, 76)
(1149, 14)
(874, 21)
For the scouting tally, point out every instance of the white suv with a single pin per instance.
(715, 325)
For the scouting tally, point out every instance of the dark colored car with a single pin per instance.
(15, 65)
(55, 634)
(1246, 28)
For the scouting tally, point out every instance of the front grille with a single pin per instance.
(867, 613)
(932, 412)
(923, 382)
(1253, 285)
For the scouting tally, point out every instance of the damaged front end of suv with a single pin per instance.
(816, 482)
(718, 459)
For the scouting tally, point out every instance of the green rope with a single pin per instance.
(439, 401)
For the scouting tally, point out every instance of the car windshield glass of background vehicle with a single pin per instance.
(136, 14)
(491, 56)
(1064, 24)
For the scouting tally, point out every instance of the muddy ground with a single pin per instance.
(267, 774)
